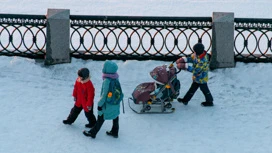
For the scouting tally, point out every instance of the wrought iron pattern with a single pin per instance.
(120, 37)
(128, 37)
(252, 40)
(22, 35)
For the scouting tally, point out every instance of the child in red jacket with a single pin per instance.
(83, 94)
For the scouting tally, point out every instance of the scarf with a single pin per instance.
(83, 81)
(110, 75)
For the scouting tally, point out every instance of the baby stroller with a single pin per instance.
(159, 93)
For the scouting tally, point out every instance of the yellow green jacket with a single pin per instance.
(199, 68)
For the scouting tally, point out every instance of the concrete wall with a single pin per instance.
(222, 40)
(58, 36)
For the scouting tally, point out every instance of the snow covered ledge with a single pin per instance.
(58, 36)
(222, 40)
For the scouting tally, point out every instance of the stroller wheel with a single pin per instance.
(169, 105)
(147, 107)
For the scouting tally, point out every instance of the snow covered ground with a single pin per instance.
(36, 98)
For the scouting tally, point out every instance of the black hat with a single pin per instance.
(84, 73)
(198, 48)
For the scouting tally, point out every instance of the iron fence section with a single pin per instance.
(134, 37)
(22, 35)
(252, 40)
(137, 37)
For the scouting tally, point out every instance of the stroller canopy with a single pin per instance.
(162, 74)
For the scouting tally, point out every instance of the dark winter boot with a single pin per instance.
(181, 100)
(91, 118)
(67, 122)
(89, 134)
(110, 133)
(207, 104)
(89, 125)
(73, 115)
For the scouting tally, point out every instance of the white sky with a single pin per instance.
(241, 8)
(35, 99)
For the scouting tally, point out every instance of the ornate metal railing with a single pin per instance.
(132, 37)
(252, 40)
(121, 37)
(22, 35)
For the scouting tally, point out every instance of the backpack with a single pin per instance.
(115, 94)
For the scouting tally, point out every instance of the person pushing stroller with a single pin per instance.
(199, 69)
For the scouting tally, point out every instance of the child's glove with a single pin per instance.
(99, 108)
(181, 60)
(100, 113)
(89, 108)
(74, 98)
(182, 66)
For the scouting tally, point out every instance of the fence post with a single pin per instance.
(58, 36)
(222, 40)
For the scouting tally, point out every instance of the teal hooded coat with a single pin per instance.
(109, 111)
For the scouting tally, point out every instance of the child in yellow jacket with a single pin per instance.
(200, 68)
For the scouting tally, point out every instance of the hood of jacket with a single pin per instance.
(110, 67)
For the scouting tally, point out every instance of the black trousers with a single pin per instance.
(99, 123)
(75, 111)
(203, 87)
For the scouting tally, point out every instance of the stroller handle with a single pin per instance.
(172, 64)
(178, 71)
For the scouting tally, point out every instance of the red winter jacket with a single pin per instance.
(84, 93)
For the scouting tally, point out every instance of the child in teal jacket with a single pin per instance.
(107, 111)
(199, 69)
